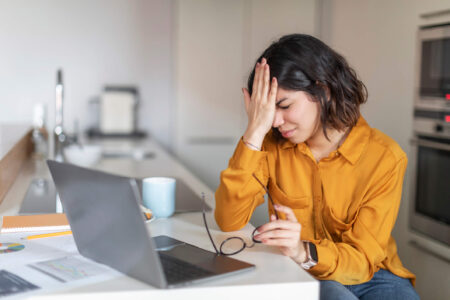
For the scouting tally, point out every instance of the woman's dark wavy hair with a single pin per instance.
(303, 63)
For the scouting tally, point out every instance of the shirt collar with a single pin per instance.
(285, 144)
(356, 141)
(353, 146)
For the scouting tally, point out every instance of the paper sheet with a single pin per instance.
(36, 250)
(46, 265)
(69, 268)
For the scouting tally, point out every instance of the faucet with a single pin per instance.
(59, 134)
(61, 138)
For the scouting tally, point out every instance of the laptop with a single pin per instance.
(108, 227)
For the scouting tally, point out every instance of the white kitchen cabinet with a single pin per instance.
(217, 42)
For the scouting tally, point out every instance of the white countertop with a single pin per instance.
(274, 276)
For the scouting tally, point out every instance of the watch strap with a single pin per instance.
(313, 252)
(311, 256)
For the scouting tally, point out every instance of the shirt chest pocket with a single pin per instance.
(302, 207)
(282, 198)
(334, 225)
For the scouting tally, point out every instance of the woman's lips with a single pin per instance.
(287, 133)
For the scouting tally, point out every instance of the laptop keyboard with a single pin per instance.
(177, 270)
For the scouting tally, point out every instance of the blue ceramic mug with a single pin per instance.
(158, 194)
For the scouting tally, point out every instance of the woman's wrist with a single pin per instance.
(253, 139)
(251, 146)
(302, 255)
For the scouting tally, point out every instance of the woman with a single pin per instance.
(335, 181)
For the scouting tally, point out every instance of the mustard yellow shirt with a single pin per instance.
(346, 203)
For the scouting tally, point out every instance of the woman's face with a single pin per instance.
(297, 116)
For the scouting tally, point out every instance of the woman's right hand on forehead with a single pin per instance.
(260, 106)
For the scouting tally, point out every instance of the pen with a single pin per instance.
(39, 236)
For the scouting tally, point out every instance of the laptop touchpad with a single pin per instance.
(165, 243)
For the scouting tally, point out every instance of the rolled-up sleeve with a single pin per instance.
(239, 193)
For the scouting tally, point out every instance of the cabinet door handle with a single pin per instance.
(421, 247)
(219, 140)
(430, 144)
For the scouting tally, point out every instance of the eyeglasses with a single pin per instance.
(235, 244)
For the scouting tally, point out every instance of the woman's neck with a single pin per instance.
(321, 147)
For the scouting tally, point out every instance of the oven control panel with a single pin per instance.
(432, 122)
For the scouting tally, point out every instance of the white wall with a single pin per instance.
(96, 43)
(378, 37)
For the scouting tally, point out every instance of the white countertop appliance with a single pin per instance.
(118, 107)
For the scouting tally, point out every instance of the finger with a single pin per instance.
(273, 91)
(288, 212)
(279, 224)
(277, 234)
(266, 83)
(255, 80)
(260, 79)
(288, 243)
(247, 98)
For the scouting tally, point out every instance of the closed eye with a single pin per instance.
(280, 102)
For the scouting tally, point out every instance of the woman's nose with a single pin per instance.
(278, 119)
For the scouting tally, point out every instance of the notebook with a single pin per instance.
(108, 227)
(40, 222)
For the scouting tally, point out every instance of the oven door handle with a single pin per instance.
(430, 144)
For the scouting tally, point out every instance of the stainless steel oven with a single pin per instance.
(430, 210)
(433, 76)
(430, 159)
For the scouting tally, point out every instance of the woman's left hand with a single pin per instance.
(285, 234)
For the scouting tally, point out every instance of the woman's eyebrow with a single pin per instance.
(281, 100)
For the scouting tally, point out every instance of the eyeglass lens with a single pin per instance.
(232, 245)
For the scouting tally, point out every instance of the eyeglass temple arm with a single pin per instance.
(206, 225)
(268, 194)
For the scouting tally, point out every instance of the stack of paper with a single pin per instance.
(40, 222)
